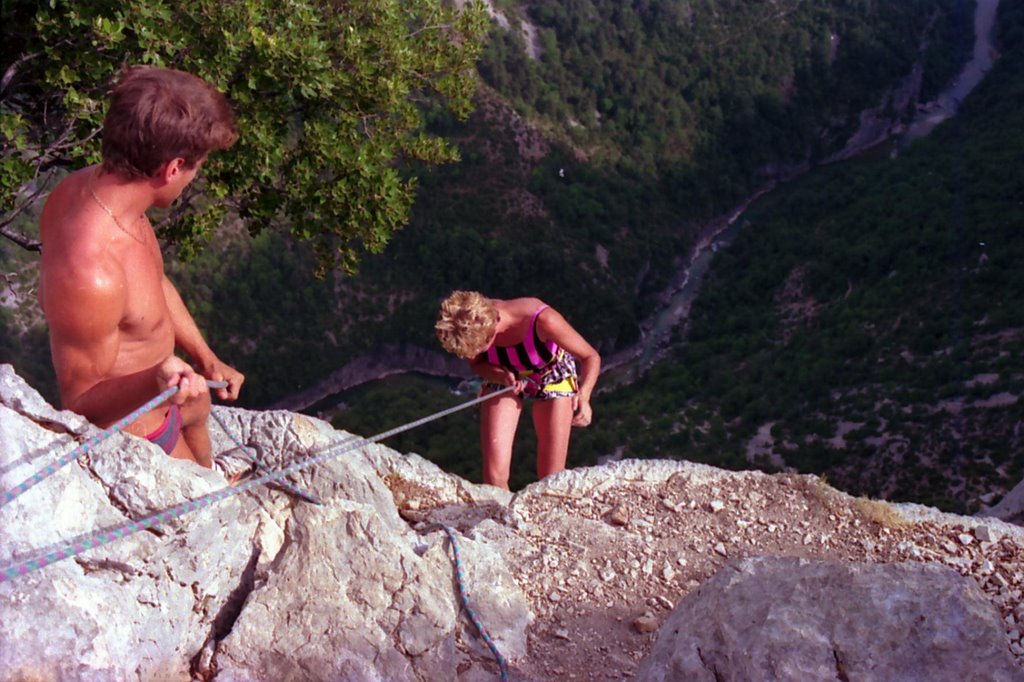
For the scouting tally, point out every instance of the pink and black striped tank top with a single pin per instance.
(529, 355)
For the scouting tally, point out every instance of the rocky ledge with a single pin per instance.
(654, 570)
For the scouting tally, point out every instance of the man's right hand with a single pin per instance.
(176, 372)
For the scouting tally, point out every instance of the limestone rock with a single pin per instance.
(262, 585)
(135, 609)
(791, 619)
(257, 586)
(1010, 508)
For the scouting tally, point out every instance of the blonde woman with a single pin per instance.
(521, 342)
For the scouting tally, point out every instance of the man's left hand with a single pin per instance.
(221, 371)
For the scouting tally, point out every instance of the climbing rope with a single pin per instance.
(104, 536)
(464, 598)
(51, 469)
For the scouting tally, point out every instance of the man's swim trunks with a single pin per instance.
(167, 435)
(549, 371)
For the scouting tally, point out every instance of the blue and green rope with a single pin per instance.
(464, 598)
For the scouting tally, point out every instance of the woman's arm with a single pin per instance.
(491, 373)
(551, 326)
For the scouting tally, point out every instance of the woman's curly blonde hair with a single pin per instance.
(466, 323)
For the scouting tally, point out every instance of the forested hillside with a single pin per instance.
(865, 325)
(607, 135)
(867, 322)
(582, 214)
(710, 97)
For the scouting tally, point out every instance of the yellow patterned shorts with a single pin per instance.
(558, 380)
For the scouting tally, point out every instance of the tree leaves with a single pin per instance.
(329, 96)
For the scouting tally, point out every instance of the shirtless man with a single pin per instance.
(115, 319)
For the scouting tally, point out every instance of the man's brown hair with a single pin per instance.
(157, 115)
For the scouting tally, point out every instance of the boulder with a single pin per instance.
(782, 618)
(1010, 508)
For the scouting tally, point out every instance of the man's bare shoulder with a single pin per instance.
(77, 264)
(83, 292)
(71, 221)
(79, 268)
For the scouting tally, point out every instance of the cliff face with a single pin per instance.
(657, 569)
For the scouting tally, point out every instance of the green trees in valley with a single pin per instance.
(712, 99)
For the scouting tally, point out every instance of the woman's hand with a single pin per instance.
(581, 412)
(497, 375)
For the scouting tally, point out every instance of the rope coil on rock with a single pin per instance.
(464, 598)
(253, 458)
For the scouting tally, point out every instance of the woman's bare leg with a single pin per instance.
(499, 418)
(553, 421)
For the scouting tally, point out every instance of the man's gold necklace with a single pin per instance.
(92, 191)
